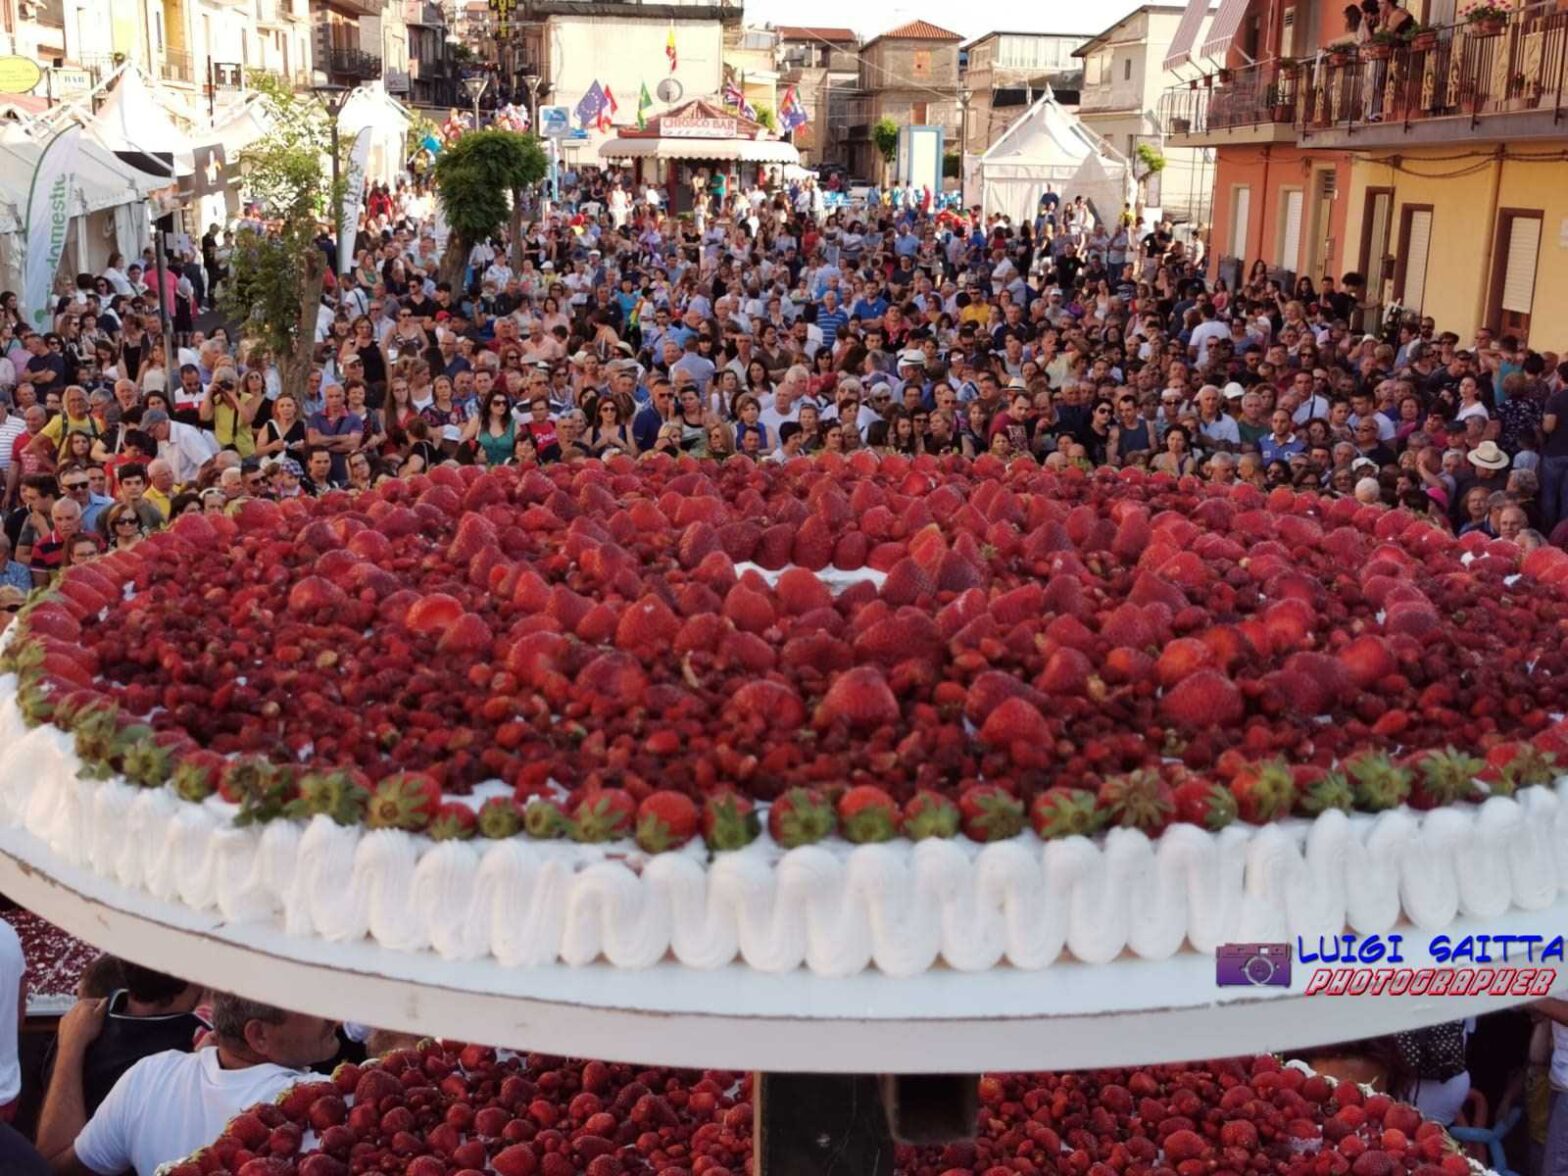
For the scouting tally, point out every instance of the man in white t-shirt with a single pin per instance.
(13, 967)
(168, 1105)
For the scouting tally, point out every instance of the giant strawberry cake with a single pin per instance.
(836, 714)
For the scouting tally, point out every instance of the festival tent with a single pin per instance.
(137, 128)
(108, 209)
(371, 106)
(1049, 145)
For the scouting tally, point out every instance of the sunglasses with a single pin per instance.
(126, 523)
(74, 485)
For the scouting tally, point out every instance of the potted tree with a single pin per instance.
(1486, 20)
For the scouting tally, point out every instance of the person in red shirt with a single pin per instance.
(547, 439)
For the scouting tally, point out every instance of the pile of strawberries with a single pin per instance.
(1065, 651)
(451, 1110)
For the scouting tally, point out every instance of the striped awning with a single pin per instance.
(1180, 52)
(1222, 29)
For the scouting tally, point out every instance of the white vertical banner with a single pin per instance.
(353, 198)
(48, 223)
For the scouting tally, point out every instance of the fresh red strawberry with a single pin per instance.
(800, 591)
(197, 774)
(1378, 782)
(499, 817)
(930, 814)
(800, 817)
(1018, 727)
(433, 613)
(453, 821)
(1444, 777)
(1514, 765)
(647, 624)
(1205, 803)
(1137, 800)
(403, 800)
(666, 820)
(544, 820)
(1203, 700)
(1265, 792)
(907, 583)
(1065, 812)
(1368, 659)
(729, 821)
(1318, 790)
(340, 795)
(867, 813)
(860, 698)
(989, 813)
(604, 815)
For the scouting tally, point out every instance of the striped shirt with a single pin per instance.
(12, 428)
(831, 322)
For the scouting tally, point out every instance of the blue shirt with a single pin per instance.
(874, 309)
(346, 425)
(1272, 449)
(96, 505)
(831, 322)
(16, 575)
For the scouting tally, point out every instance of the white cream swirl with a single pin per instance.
(832, 908)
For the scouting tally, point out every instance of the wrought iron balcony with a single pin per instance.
(1256, 104)
(354, 63)
(1502, 79)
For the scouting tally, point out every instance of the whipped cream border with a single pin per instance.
(837, 909)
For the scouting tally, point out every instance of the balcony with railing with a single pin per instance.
(1256, 104)
(1496, 80)
(1110, 96)
(354, 63)
(177, 66)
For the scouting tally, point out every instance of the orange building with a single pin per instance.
(1274, 198)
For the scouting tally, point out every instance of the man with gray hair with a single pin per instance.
(169, 1104)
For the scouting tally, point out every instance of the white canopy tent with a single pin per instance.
(133, 124)
(371, 106)
(108, 202)
(1049, 145)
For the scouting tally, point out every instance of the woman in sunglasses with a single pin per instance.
(494, 431)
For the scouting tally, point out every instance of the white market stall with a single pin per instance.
(1049, 145)
(694, 139)
(371, 106)
(108, 209)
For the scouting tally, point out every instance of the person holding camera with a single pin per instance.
(229, 412)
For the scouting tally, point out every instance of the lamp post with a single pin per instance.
(964, 95)
(475, 85)
(333, 96)
(535, 82)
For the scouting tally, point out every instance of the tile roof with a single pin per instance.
(812, 33)
(919, 30)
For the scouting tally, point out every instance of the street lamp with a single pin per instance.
(333, 96)
(964, 95)
(475, 85)
(535, 82)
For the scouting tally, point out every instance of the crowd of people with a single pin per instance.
(778, 330)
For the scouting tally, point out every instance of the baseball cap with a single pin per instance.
(1234, 391)
(912, 357)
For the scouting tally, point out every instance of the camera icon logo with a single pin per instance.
(1254, 965)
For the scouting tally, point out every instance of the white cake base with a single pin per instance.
(1070, 1016)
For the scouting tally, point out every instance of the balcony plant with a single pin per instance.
(1423, 38)
(1281, 107)
(1340, 55)
(1380, 45)
(1486, 20)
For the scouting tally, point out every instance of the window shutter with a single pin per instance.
(1238, 230)
(1524, 240)
(1290, 236)
(1287, 33)
(1414, 294)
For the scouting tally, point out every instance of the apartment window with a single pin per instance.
(1415, 239)
(1241, 216)
(1127, 69)
(1513, 277)
(1291, 202)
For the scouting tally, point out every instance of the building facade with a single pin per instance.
(1275, 198)
(1124, 77)
(1006, 71)
(823, 65)
(432, 75)
(200, 49)
(1454, 136)
(910, 75)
